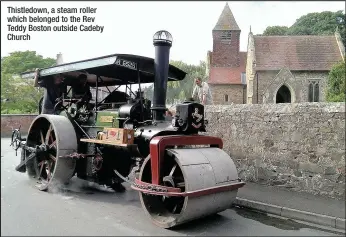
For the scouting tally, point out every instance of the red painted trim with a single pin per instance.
(197, 193)
(158, 146)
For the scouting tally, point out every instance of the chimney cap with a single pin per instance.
(163, 36)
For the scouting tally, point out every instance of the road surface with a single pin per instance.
(89, 210)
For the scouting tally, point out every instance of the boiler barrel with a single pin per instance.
(201, 168)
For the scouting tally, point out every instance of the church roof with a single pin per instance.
(228, 75)
(301, 53)
(226, 20)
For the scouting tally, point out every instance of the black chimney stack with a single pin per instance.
(162, 42)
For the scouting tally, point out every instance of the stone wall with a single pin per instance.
(298, 146)
(9, 121)
(298, 82)
(236, 94)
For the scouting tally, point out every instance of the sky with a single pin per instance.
(129, 26)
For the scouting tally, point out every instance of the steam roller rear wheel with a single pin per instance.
(58, 136)
(190, 169)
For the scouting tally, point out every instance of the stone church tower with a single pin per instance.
(226, 37)
(226, 62)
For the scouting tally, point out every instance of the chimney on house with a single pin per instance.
(59, 59)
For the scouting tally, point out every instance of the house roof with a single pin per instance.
(301, 53)
(226, 20)
(228, 75)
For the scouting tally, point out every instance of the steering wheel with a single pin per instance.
(59, 106)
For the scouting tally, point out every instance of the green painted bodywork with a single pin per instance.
(100, 125)
(114, 114)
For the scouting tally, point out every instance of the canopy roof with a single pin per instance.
(116, 69)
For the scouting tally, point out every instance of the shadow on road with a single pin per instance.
(207, 222)
(269, 220)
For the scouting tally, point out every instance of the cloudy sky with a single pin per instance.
(129, 26)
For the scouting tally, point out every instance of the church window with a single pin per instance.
(226, 98)
(226, 35)
(313, 91)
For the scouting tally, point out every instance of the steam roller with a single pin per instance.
(180, 173)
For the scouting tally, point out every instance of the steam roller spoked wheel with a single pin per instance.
(189, 169)
(55, 135)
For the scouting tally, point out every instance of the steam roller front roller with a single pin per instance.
(53, 137)
(202, 181)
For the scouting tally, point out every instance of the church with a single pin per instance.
(275, 69)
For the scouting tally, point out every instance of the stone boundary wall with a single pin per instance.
(298, 146)
(15, 120)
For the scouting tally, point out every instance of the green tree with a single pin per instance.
(275, 30)
(336, 83)
(149, 92)
(181, 90)
(18, 95)
(317, 23)
(22, 61)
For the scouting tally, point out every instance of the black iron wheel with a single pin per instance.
(54, 136)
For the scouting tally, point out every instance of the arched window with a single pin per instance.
(314, 89)
(226, 98)
(283, 95)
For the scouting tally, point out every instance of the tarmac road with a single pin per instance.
(90, 211)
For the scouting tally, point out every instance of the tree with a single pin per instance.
(149, 92)
(22, 61)
(18, 95)
(317, 23)
(336, 83)
(181, 90)
(275, 30)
